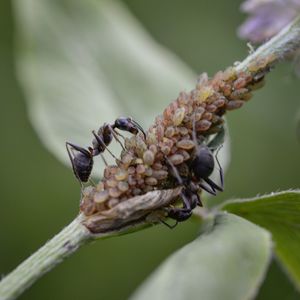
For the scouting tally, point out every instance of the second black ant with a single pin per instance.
(200, 169)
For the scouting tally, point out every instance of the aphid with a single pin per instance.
(81, 160)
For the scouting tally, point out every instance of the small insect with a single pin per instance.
(82, 159)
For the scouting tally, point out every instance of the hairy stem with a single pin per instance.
(46, 258)
(281, 45)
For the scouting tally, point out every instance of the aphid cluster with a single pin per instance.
(175, 151)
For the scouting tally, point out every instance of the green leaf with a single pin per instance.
(85, 62)
(227, 262)
(280, 214)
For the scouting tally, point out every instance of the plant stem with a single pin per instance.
(281, 45)
(46, 258)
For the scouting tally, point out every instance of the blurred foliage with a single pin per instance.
(40, 195)
(212, 264)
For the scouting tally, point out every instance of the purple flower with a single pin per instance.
(267, 17)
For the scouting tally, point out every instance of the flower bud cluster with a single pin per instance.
(142, 166)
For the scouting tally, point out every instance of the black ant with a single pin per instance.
(200, 168)
(82, 161)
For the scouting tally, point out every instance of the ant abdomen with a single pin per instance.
(84, 166)
(203, 164)
(82, 161)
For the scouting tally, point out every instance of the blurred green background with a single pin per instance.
(39, 195)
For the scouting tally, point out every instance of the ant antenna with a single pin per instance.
(139, 127)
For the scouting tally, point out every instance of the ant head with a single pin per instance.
(128, 124)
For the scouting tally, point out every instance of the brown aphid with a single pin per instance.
(131, 170)
(183, 98)
(157, 166)
(140, 169)
(123, 186)
(114, 192)
(113, 202)
(100, 186)
(151, 181)
(234, 104)
(238, 94)
(89, 208)
(183, 131)
(207, 116)
(178, 116)
(169, 132)
(227, 89)
(185, 144)
(165, 149)
(160, 174)
(176, 159)
(111, 183)
(148, 157)
(160, 132)
(153, 148)
(101, 197)
(184, 154)
(220, 102)
(131, 180)
(211, 108)
(148, 172)
(239, 83)
(121, 175)
(127, 159)
(203, 125)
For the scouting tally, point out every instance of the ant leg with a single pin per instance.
(92, 182)
(213, 185)
(209, 189)
(99, 140)
(175, 171)
(179, 214)
(78, 148)
(103, 159)
(196, 197)
(114, 133)
(168, 225)
(220, 169)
